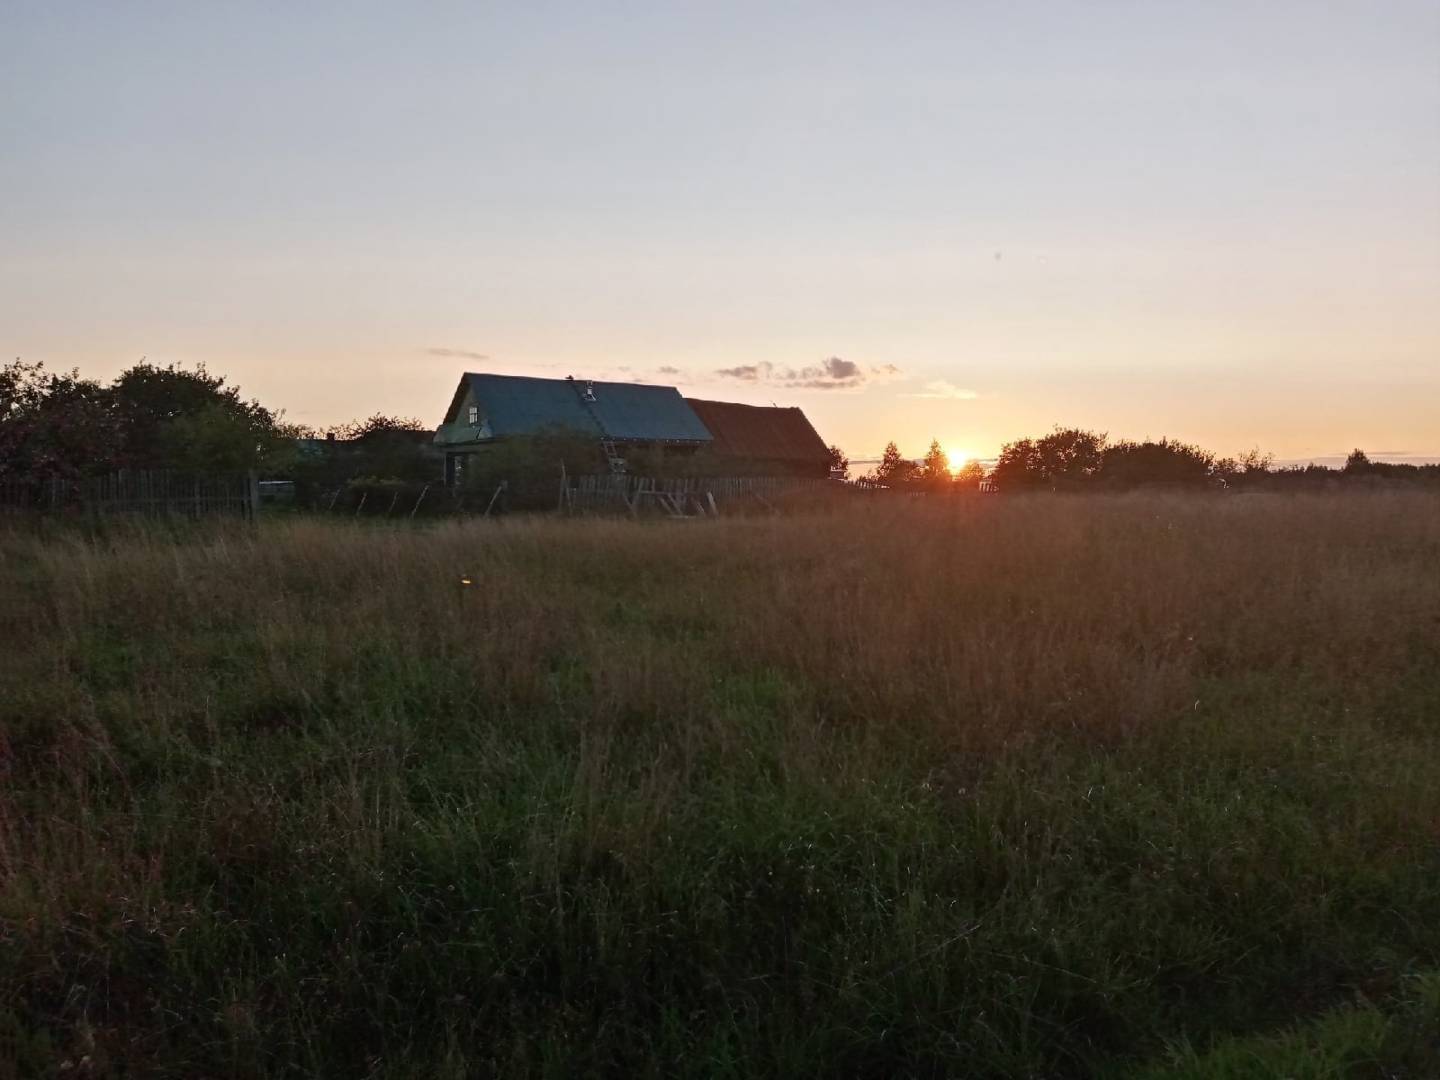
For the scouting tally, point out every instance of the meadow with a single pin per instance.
(1118, 786)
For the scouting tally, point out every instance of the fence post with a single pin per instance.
(252, 491)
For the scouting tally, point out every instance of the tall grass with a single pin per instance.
(1007, 787)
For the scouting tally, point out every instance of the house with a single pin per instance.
(764, 439)
(620, 416)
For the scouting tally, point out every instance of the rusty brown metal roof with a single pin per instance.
(760, 431)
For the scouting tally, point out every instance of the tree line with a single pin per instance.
(1074, 459)
(60, 426)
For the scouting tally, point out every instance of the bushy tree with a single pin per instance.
(58, 425)
(1071, 456)
(839, 462)
(54, 425)
(1018, 466)
(174, 418)
(1168, 461)
(395, 447)
(1067, 457)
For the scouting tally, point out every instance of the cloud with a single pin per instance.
(667, 370)
(458, 354)
(940, 388)
(834, 373)
(842, 369)
(747, 372)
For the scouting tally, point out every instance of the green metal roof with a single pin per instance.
(523, 405)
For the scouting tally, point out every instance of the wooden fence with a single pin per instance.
(696, 496)
(152, 492)
(689, 496)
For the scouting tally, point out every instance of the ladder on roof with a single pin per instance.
(607, 444)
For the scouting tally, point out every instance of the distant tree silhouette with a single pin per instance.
(1071, 455)
(1358, 463)
(378, 425)
(894, 470)
(970, 474)
(1018, 466)
(1067, 457)
(1132, 464)
(1253, 462)
(1251, 469)
(1070, 458)
(839, 462)
(935, 468)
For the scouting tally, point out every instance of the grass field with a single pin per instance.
(1139, 786)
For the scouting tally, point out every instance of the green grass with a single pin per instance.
(1357, 1041)
(1107, 786)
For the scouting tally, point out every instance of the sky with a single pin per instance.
(964, 221)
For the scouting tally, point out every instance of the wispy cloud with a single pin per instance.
(941, 388)
(458, 354)
(834, 373)
(667, 370)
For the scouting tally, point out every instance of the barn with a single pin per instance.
(763, 440)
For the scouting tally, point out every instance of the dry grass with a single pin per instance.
(1005, 786)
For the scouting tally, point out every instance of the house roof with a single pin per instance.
(523, 405)
(760, 431)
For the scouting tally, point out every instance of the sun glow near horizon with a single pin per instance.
(957, 458)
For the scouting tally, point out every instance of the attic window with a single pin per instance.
(474, 415)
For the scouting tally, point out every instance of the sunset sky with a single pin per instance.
(968, 221)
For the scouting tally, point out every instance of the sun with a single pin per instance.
(956, 457)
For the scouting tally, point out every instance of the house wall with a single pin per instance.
(460, 430)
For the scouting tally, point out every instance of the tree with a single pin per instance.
(935, 468)
(970, 474)
(839, 462)
(58, 425)
(173, 418)
(1169, 461)
(53, 425)
(1070, 456)
(1018, 466)
(1067, 457)
(378, 426)
(1358, 463)
(1255, 463)
(1250, 468)
(894, 470)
